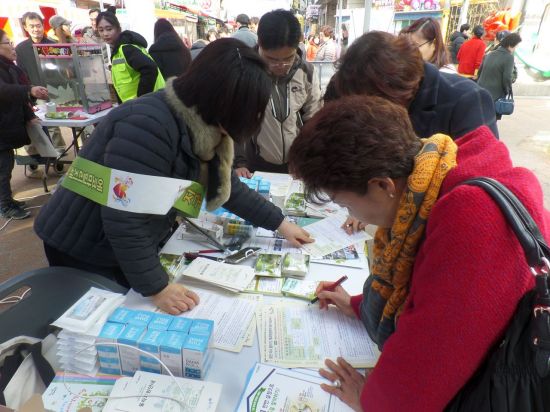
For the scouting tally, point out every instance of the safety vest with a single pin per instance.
(126, 79)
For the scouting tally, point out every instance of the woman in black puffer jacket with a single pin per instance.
(168, 51)
(15, 111)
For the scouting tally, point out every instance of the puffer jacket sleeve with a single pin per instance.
(14, 93)
(140, 144)
(249, 205)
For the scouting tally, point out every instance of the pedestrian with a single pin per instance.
(312, 47)
(92, 36)
(295, 96)
(185, 131)
(426, 33)
(471, 54)
(134, 71)
(197, 47)
(168, 50)
(437, 102)
(254, 21)
(61, 29)
(243, 32)
(327, 50)
(496, 74)
(457, 39)
(212, 35)
(15, 114)
(33, 24)
(447, 270)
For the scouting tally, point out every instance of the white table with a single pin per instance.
(231, 369)
(76, 126)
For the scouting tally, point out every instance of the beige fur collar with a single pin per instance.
(206, 142)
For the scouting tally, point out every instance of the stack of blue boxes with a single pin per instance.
(181, 343)
(258, 184)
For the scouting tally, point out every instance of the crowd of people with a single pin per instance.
(392, 139)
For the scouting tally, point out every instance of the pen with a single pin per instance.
(330, 288)
(205, 233)
(208, 251)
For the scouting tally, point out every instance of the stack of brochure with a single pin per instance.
(150, 392)
(234, 278)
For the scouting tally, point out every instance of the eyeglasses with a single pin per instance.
(8, 42)
(422, 44)
(280, 64)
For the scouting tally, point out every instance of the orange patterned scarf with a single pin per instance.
(395, 249)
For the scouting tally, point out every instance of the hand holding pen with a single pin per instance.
(333, 293)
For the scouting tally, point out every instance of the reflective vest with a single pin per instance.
(126, 79)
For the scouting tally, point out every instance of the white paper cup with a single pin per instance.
(278, 199)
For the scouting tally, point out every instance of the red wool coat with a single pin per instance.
(469, 275)
(470, 56)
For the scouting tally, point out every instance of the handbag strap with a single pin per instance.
(537, 254)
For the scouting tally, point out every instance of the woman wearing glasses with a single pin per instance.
(295, 96)
(426, 33)
(15, 112)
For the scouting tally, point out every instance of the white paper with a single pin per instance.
(351, 256)
(194, 395)
(330, 237)
(276, 389)
(233, 277)
(231, 315)
(294, 336)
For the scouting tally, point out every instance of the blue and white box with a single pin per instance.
(109, 359)
(129, 358)
(263, 189)
(202, 327)
(121, 315)
(171, 347)
(196, 356)
(150, 342)
(160, 322)
(140, 318)
(181, 325)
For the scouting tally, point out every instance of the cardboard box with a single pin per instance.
(196, 356)
(150, 342)
(171, 348)
(181, 325)
(160, 322)
(129, 358)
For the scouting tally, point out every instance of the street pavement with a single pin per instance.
(526, 133)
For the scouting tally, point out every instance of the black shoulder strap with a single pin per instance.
(308, 68)
(537, 254)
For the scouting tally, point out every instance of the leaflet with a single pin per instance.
(275, 389)
(330, 237)
(188, 395)
(347, 257)
(294, 336)
(232, 277)
(265, 286)
(232, 315)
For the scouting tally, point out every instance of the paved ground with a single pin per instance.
(526, 133)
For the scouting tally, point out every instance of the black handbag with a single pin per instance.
(515, 375)
(505, 105)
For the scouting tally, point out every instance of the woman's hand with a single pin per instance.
(347, 383)
(340, 298)
(243, 172)
(352, 225)
(39, 92)
(294, 234)
(175, 299)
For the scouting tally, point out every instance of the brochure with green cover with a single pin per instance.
(268, 264)
(295, 265)
(295, 204)
(265, 286)
(172, 264)
(299, 288)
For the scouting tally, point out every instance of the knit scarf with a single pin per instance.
(386, 290)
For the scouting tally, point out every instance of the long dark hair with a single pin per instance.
(163, 26)
(110, 17)
(429, 29)
(229, 86)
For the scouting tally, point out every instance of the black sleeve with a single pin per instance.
(146, 67)
(508, 75)
(240, 159)
(140, 144)
(249, 205)
(14, 93)
(157, 57)
(473, 109)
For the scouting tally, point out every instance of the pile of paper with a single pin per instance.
(234, 278)
(294, 336)
(150, 392)
(81, 324)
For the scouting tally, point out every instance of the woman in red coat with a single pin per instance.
(447, 272)
(471, 53)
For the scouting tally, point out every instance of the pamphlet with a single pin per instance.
(299, 288)
(295, 265)
(231, 277)
(265, 286)
(268, 264)
(172, 264)
(274, 389)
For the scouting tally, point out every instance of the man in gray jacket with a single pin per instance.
(295, 96)
(244, 33)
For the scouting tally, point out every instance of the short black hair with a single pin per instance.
(464, 27)
(229, 85)
(110, 17)
(31, 15)
(478, 31)
(94, 10)
(243, 19)
(279, 28)
(512, 40)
